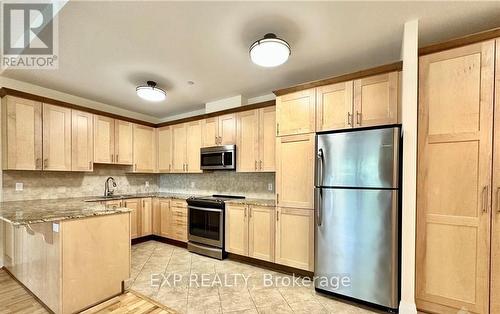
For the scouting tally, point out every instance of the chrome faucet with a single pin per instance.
(107, 191)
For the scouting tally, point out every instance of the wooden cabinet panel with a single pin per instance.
(179, 145)
(236, 232)
(376, 100)
(165, 217)
(134, 205)
(210, 134)
(193, 145)
(454, 176)
(295, 171)
(261, 233)
(495, 232)
(156, 216)
(21, 134)
(267, 139)
(295, 238)
(144, 149)
(334, 105)
(104, 139)
(295, 113)
(178, 222)
(56, 138)
(247, 141)
(164, 149)
(82, 143)
(146, 217)
(123, 142)
(227, 129)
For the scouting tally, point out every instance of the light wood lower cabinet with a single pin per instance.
(295, 237)
(164, 205)
(156, 217)
(146, 217)
(56, 138)
(134, 205)
(250, 231)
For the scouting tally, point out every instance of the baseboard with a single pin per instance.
(407, 307)
(271, 266)
(153, 237)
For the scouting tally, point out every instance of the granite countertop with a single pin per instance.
(38, 211)
(253, 201)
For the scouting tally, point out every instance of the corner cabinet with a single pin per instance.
(295, 113)
(144, 149)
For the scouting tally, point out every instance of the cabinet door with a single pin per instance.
(334, 106)
(236, 232)
(134, 205)
(113, 203)
(179, 142)
(146, 217)
(295, 238)
(22, 134)
(295, 113)
(376, 100)
(82, 143)
(123, 142)
(156, 217)
(165, 217)
(210, 131)
(455, 122)
(164, 149)
(495, 232)
(144, 149)
(247, 141)
(267, 139)
(227, 129)
(193, 145)
(261, 233)
(56, 138)
(104, 140)
(295, 171)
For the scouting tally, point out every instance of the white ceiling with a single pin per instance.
(106, 49)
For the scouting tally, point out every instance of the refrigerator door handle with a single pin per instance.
(318, 206)
(319, 167)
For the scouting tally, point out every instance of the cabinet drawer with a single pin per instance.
(178, 203)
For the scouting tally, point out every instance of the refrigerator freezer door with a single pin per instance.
(367, 158)
(358, 239)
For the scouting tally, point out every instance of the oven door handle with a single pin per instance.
(223, 164)
(218, 210)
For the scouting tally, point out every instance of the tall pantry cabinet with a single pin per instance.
(458, 267)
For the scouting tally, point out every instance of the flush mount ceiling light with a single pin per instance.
(269, 51)
(151, 92)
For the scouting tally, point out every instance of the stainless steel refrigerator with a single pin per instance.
(357, 214)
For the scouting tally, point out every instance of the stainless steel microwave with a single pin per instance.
(218, 158)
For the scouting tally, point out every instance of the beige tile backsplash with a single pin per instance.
(51, 184)
(251, 185)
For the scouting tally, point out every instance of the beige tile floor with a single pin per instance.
(190, 283)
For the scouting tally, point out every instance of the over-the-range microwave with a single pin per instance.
(218, 158)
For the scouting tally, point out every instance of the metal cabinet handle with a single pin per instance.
(216, 140)
(358, 117)
(277, 215)
(187, 167)
(256, 165)
(112, 158)
(250, 211)
(135, 166)
(277, 128)
(245, 209)
(260, 165)
(277, 198)
(116, 157)
(349, 119)
(484, 195)
(45, 163)
(90, 165)
(38, 163)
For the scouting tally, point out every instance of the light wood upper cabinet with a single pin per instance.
(267, 139)
(295, 238)
(295, 113)
(247, 141)
(376, 100)
(56, 138)
(144, 149)
(261, 232)
(82, 143)
(21, 134)
(104, 139)
(295, 171)
(334, 106)
(123, 142)
(220, 130)
(193, 145)
(455, 125)
(165, 149)
(236, 229)
(179, 146)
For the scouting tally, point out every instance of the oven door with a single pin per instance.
(206, 225)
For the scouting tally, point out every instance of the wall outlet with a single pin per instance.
(19, 186)
(270, 187)
(192, 184)
(146, 184)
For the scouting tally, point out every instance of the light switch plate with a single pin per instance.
(270, 187)
(19, 186)
(55, 227)
(147, 184)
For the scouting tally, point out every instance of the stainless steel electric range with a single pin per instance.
(206, 224)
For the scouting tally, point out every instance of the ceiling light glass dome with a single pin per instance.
(269, 51)
(151, 92)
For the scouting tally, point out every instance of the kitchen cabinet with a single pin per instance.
(156, 217)
(178, 220)
(144, 148)
(146, 217)
(82, 143)
(134, 205)
(164, 205)
(236, 229)
(220, 130)
(21, 134)
(295, 113)
(56, 138)
(255, 140)
(376, 100)
(165, 149)
(334, 106)
(454, 192)
(186, 143)
(113, 141)
(295, 238)
(295, 171)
